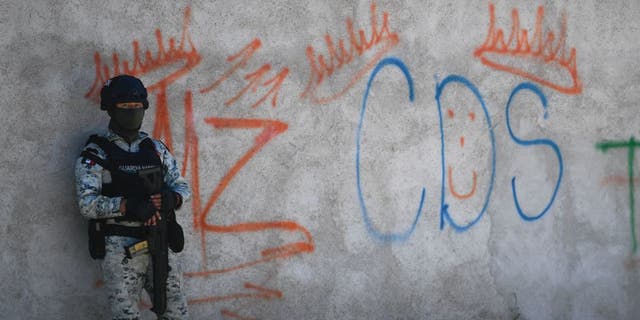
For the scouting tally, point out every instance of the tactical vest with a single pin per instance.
(123, 165)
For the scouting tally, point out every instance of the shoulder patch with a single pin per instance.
(89, 162)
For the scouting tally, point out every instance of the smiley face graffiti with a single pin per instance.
(468, 154)
(458, 110)
(452, 189)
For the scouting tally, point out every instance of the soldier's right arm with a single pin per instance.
(89, 174)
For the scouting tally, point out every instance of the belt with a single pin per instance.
(124, 231)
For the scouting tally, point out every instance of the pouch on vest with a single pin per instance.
(96, 239)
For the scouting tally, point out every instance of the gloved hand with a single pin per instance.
(169, 199)
(139, 209)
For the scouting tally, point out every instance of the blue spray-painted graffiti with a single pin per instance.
(445, 214)
(533, 88)
(387, 237)
(444, 211)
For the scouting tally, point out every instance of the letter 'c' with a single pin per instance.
(386, 237)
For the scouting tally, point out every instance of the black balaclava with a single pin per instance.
(126, 122)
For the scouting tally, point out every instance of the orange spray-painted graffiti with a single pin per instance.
(452, 188)
(618, 180)
(254, 78)
(233, 315)
(541, 49)
(184, 52)
(259, 292)
(338, 57)
(270, 129)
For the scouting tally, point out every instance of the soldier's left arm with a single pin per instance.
(172, 177)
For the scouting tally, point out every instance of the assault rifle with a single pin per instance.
(158, 241)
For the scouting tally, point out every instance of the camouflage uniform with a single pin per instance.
(124, 277)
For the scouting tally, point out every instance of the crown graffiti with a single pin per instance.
(541, 49)
(185, 51)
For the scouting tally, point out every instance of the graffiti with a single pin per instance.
(452, 189)
(259, 292)
(618, 180)
(163, 57)
(270, 129)
(530, 143)
(263, 86)
(631, 146)
(445, 208)
(370, 228)
(446, 214)
(234, 315)
(185, 52)
(254, 78)
(542, 49)
(323, 68)
(186, 56)
(253, 293)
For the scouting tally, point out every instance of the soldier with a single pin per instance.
(120, 215)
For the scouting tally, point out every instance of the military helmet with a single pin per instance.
(123, 88)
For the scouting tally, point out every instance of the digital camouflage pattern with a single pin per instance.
(125, 278)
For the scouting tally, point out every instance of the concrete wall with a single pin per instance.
(335, 177)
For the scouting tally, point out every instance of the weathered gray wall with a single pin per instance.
(299, 190)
